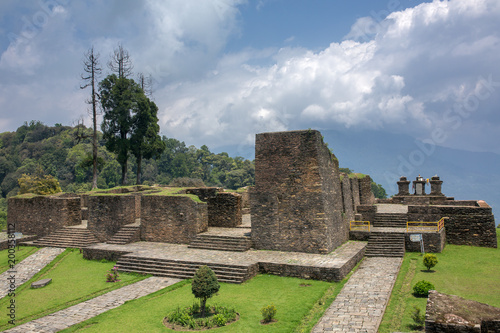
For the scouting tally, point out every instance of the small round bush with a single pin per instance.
(268, 313)
(421, 288)
(430, 260)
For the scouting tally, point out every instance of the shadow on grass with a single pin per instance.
(428, 271)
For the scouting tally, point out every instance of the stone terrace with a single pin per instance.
(330, 267)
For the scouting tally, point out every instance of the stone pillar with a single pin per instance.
(436, 186)
(403, 186)
(419, 186)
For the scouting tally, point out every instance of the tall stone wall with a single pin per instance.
(224, 210)
(366, 196)
(347, 204)
(296, 204)
(355, 192)
(42, 215)
(108, 213)
(172, 219)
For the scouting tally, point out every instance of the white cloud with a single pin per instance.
(402, 79)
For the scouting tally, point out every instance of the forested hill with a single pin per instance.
(66, 153)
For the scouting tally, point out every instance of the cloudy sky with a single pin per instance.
(224, 70)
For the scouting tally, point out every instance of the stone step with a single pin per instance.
(126, 234)
(383, 244)
(392, 220)
(67, 237)
(181, 269)
(221, 243)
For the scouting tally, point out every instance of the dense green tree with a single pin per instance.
(119, 101)
(145, 142)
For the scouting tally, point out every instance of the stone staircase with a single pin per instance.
(385, 244)
(183, 269)
(221, 243)
(67, 237)
(126, 234)
(390, 220)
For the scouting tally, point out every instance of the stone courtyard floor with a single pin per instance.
(336, 259)
(360, 305)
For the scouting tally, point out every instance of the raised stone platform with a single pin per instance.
(329, 267)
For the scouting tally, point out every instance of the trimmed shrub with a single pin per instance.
(430, 260)
(421, 288)
(204, 286)
(418, 317)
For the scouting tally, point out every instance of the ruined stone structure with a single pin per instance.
(172, 219)
(469, 222)
(296, 204)
(43, 215)
(224, 210)
(108, 213)
(450, 313)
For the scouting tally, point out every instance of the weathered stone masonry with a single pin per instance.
(224, 210)
(108, 213)
(42, 215)
(172, 219)
(296, 203)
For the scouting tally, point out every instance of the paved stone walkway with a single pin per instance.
(360, 305)
(25, 270)
(91, 308)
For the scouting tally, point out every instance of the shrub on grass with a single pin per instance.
(421, 288)
(418, 317)
(430, 260)
(204, 286)
(268, 313)
(112, 275)
(186, 317)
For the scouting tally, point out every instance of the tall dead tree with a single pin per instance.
(92, 71)
(146, 83)
(121, 63)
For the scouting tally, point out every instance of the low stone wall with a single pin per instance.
(224, 210)
(314, 273)
(42, 215)
(466, 225)
(108, 213)
(367, 212)
(434, 242)
(172, 219)
(99, 254)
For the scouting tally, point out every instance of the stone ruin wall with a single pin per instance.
(296, 203)
(108, 213)
(172, 219)
(366, 196)
(42, 215)
(347, 199)
(355, 192)
(225, 210)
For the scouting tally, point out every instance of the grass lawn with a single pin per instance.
(293, 303)
(74, 280)
(467, 271)
(20, 254)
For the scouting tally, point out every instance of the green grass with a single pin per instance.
(20, 254)
(74, 280)
(292, 301)
(469, 272)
